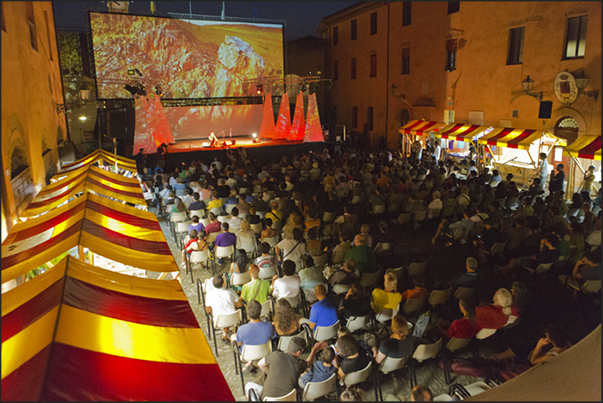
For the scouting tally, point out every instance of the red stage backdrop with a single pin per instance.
(283, 125)
(313, 128)
(143, 135)
(197, 122)
(268, 127)
(187, 58)
(297, 127)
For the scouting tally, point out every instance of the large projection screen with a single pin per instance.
(189, 59)
(197, 122)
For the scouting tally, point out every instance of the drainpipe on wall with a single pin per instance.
(387, 81)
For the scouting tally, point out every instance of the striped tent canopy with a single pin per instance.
(421, 127)
(587, 146)
(113, 230)
(517, 138)
(460, 132)
(100, 155)
(78, 332)
(85, 179)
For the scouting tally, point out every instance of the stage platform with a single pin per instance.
(189, 150)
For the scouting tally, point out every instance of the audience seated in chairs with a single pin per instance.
(256, 289)
(221, 301)
(389, 297)
(356, 302)
(323, 312)
(398, 345)
(287, 286)
(496, 315)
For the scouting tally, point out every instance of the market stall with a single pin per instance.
(80, 333)
(459, 132)
(417, 128)
(84, 179)
(101, 157)
(530, 141)
(586, 147)
(111, 229)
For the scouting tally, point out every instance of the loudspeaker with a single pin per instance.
(117, 123)
(546, 107)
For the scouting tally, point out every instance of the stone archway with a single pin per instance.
(564, 113)
(566, 128)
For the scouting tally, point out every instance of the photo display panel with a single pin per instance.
(188, 59)
(197, 122)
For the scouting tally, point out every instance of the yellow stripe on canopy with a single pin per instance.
(134, 200)
(20, 348)
(121, 338)
(39, 259)
(586, 146)
(142, 260)
(125, 228)
(114, 176)
(20, 226)
(142, 287)
(20, 295)
(112, 204)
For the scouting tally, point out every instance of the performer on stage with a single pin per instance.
(213, 139)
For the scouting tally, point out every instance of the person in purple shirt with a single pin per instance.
(196, 225)
(225, 238)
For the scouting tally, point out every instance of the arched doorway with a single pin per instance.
(566, 128)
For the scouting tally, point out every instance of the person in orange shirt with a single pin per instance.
(418, 292)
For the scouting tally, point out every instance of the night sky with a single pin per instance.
(303, 17)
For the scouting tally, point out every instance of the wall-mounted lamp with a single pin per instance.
(582, 82)
(78, 103)
(527, 84)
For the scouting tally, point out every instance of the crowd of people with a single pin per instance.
(318, 223)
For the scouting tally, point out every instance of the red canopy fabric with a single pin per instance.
(268, 127)
(113, 337)
(313, 130)
(298, 126)
(283, 125)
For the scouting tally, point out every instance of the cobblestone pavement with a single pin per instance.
(394, 386)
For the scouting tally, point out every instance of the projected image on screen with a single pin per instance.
(197, 122)
(187, 58)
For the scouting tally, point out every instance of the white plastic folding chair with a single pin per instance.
(228, 208)
(358, 322)
(427, 351)
(181, 232)
(398, 272)
(249, 247)
(417, 269)
(316, 390)
(200, 256)
(225, 321)
(413, 305)
(267, 308)
(216, 210)
(323, 333)
(320, 260)
(238, 279)
(341, 288)
(368, 280)
(379, 209)
(388, 365)
(257, 228)
(360, 376)
(437, 297)
(464, 292)
(266, 273)
(271, 241)
(198, 213)
(289, 397)
(222, 252)
(249, 353)
(223, 218)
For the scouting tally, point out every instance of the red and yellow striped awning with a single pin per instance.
(421, 127)
(84, 179)
(113, 337)
(99, 155)
(114, 230)
(587, 146)
(460, 132)
(517, 138)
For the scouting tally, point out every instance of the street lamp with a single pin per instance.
(527, 84)
(582, 82)
(84, 97)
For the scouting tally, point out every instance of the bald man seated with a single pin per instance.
(323, 312)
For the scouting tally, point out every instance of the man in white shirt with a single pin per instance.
(287, 286)
(221, 301)
(188, 198)
(436, 204)
(543, 168)
(292, 249)
(235, 221)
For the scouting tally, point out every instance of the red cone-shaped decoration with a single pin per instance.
(267, 128)
(283, 125)
(143, 137)
(163, 128)
(313, 129)
(298, 126)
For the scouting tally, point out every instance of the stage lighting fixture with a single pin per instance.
(138, 72)
(158, 91)
(254, 135)
(131, 89)
(259, 89)
(304, 87)
(131, 72)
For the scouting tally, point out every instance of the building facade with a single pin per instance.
(462, 62)
(32, 129)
